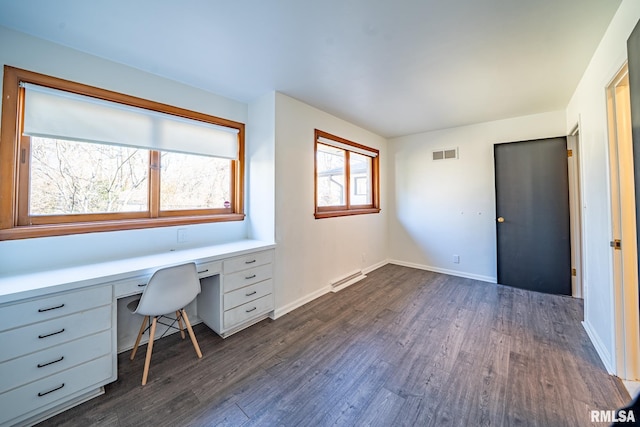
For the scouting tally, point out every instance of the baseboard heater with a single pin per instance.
(348, 280)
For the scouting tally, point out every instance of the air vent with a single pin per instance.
(449, 153)
(349, 279)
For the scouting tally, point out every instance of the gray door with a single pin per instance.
(532, 205)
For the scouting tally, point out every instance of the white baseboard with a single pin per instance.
(445, 271)
(375, 266)
(600, 348)
(279, 312)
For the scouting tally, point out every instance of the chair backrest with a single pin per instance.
(169, 290)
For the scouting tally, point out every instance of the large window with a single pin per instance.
(346, 177)
(76, 159)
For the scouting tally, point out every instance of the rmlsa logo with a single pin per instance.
(621, 416)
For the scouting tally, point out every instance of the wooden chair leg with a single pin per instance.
(135, 347)
(191, 334)
(147, 361)
(179, 317)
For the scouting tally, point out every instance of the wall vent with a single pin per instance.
(448, 153)
(350, 279)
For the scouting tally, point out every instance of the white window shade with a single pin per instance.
(342, 145)
(52, 113)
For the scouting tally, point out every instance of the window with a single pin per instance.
(77, 159)
(346, 177)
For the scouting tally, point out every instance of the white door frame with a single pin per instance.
(624, 260)
(575, 213)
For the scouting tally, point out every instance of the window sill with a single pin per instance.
(27, 232)
(346, 212)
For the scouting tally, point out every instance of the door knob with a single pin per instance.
(500, 219)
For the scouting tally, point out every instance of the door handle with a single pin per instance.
(500, 219)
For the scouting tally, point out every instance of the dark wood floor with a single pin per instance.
(403, 347)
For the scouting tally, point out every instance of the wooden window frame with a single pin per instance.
(348, 208)
(14, 179)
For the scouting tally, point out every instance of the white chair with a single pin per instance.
(169, 290)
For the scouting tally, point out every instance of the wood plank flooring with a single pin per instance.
(403, 347)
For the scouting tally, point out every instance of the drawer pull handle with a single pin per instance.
(250, 277)
(251, 293)
(250, 262)
(203, 271)
(42, 310)
(251, 309)
(50, 391)
(42, 365)
(142, 285)
(53, 333)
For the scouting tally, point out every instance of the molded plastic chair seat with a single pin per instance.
(169, 290)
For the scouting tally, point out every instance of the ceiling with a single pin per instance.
(393, 67)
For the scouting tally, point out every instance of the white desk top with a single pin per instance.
(21, 286)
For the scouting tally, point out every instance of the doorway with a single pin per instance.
(623, 225)
(575, 213)
(533, 224)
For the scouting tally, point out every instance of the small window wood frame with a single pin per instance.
(321, 137)
(14, 186)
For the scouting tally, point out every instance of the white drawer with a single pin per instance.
(246, 277)
(210, 268)
(247, 311)
(54, 306)
(247, 261)
(28, 339)
(248, 293)
(128, 287)
(55, 387)
(26, 369)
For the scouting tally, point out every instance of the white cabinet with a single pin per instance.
(239, 297)
(55, 349)
(59, 328)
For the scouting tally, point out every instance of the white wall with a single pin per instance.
(446, 207)
(22, 51)
(588, 107)
(260, 155)
(313, 252)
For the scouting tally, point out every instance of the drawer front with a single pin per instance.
(246, 277)
(247, 311)
(28, 339)
(207, 269)
(48, 390)
(26, 369)
(34, 311)
(248, 261)
(248, 293)
(128, 287)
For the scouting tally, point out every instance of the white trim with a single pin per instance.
(279, 312)
(601, 349)
(445, 271)
(375, 266)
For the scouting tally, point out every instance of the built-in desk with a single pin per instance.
(59, 328)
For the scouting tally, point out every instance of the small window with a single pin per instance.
(346, 177)
(79, 159)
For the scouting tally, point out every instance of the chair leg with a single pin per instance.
(179, 317)
(135, 347)
(191, 334)
(147, 361)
